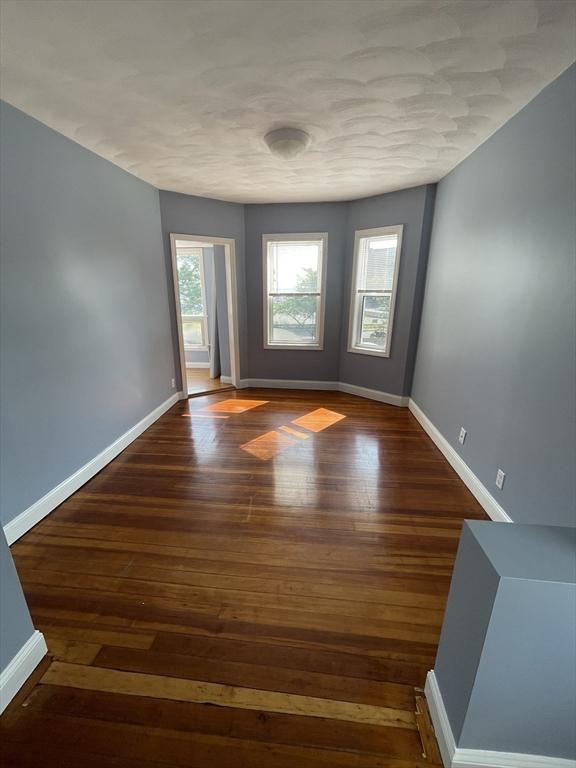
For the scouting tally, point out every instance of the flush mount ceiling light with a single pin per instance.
(287, 142)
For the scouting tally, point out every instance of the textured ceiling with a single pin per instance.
(181, 92)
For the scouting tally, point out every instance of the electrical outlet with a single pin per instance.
(500, 477)
(173, 383)
(462, 436)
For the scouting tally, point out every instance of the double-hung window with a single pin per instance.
(192, 296)
(374, 282)
(294, 290)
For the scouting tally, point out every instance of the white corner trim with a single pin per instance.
(373, 394)
(439, 717)
(27, 519)
(289, 384)
(226, 379)
(474, 485)
(21, 667)
(457, 757)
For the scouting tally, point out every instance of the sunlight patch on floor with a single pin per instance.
(319, 419)
(234, 406)
(268, 445)
(272, 443)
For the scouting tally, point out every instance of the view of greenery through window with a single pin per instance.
(189, 279)
(294, 317)
(191, 303)
(375, 317)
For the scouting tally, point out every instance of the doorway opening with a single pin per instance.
(204, 272)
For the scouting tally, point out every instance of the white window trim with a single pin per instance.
(323, 238)
(353, 313)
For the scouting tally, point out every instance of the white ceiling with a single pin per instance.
(181, 92)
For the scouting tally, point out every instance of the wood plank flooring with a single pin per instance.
(198, 381)
(258, 584)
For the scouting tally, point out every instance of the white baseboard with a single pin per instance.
(226, 379)
(197, 365)
(373, 394)
(13, 677)
(27, 519)
(289, 384)
(483, 758)
(474, 485)
(326, 386)
(457, 757)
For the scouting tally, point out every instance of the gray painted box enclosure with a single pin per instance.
(506, 663)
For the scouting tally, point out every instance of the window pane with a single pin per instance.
(374, 319)
(293, 319)
(190, 282)
(377, 262)
(192, 333)
(294, 267)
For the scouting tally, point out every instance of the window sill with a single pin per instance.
(371, 352)
(296, 347)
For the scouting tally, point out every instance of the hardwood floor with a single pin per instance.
(198, 382)
(257, 581)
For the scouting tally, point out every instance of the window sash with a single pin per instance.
(203, 332)
(274, 255)
(271, 292)
(361, 309)
(365, 279)
(359, 292)
(305, 342)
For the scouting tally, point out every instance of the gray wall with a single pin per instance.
(312, 365)
(188, 215)
(15, 623)
(497, 346)
(86, 346)
(413, 208)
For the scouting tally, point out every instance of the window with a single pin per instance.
(294, 273)
(192, 297)
(374, 279)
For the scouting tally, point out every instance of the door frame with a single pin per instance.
(231, 296)
(214, 338)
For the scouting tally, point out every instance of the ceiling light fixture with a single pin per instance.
(287, 142)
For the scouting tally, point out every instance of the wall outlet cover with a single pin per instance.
(500, 477)
(462, 436)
